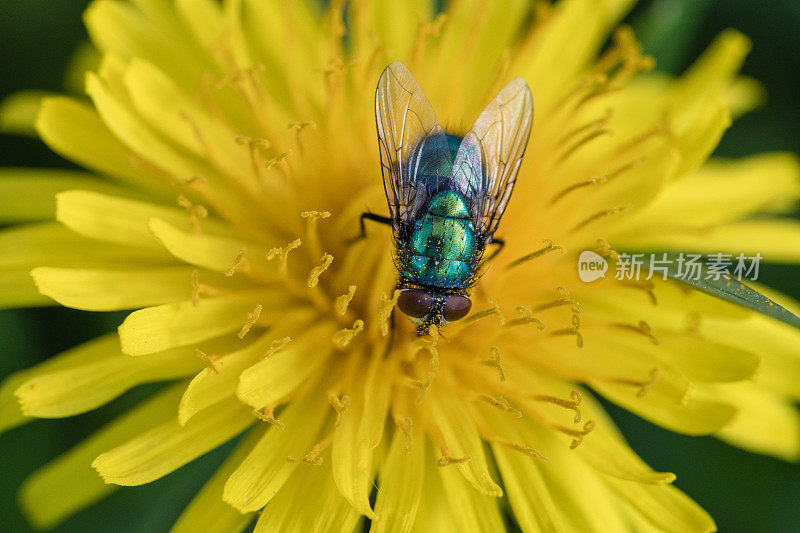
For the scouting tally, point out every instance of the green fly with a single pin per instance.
(446, 193)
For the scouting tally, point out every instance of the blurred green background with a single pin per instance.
(744, 492)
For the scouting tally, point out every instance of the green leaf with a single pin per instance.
(729, 289)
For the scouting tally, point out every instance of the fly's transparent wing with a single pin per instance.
(486, 164)
(413, 146)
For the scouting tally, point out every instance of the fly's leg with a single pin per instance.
(500, 244)
(369, 216)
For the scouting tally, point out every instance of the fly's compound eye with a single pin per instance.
(456, 307)
(415, 303)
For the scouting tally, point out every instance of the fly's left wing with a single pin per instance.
(487, 162)
(413, 146)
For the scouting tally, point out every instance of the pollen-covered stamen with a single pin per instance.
(550, 246)
(501, 403)
(239, 261)
(407, 427)
(572, 405)
(298, 128)
(267, 414)
(659, 128)
(252, 316)
(283, 254)
(426, 31)
(595, 180)
(494, 310)
(245, 82)
(447, 458)
(566, 299)
(422, 386)
(643, 385)
(692, 326)
(312, 231)
(385, 308)
(257, 148)
(276, 345)
(316, 272)
(525, 318)
(587, 85)
(642, 327)
(269, 163)
(577, 435)
(494, 361)
(194, 212)
(340, 404)
(595, 130)
(646, 286)
(208, 360)
(341, 302)
(343, 337)
(602, 214)
(525, 450)
(313, 457)
(574, 330)
(423, 343)
(195, 288)
(603, 249)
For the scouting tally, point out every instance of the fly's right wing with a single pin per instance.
(412, 144)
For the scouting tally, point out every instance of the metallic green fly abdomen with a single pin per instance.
(441, 250)
(446, 193)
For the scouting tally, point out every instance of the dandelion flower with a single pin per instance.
(230, 150)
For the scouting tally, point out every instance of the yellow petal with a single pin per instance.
(28, 194)
(359, 434)
(17, 289)
(309, 501)
(712, 72)
(214, 253)
(221, 380)
(84, 58)
(777, 240)
(697, 139)
(126, 31)
(472, 510)
(166, 326)
(75, 131)
(140, 137)
(18, 112)
(692, 417)
(212, 385)
(723, 191)
(402, 477)
(606, 450)
(68, 483)
(175, 115)
(533, 505)
(168, 446)
(435, 512)
(764, 423)
(51, 244)
(462, 440)
(204, 17)
(120, 220)
(270, 380)
(82, 388)
(666, 508)
(207, 511)
(108, 290)
(266, 468)
(583, 500)
(84, 354)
